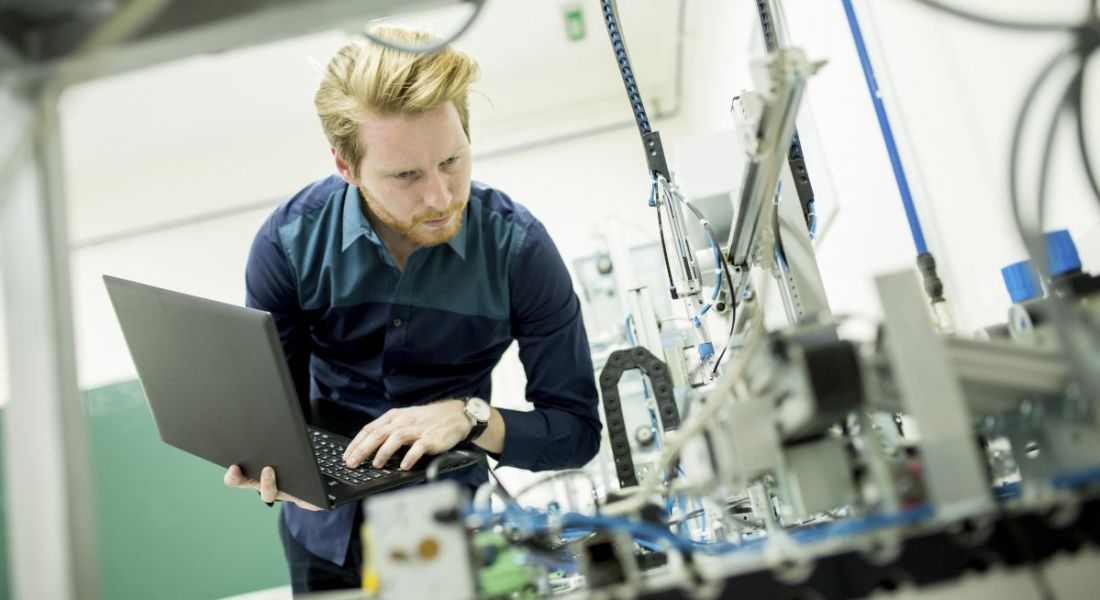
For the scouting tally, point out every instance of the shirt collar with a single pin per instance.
(357, 225)
(458, 242)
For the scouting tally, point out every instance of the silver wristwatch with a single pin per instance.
(478, 411)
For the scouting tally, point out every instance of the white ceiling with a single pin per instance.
(536, 83)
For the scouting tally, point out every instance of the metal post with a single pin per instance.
(48, 479)
(799, 279)
(932, 393)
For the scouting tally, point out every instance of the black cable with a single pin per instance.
(729, 283)
(1064, 105)
(1080, 341)
(431, 46)
(1017, 143)
(1079, 116)
(994, 21)
(664, 250)
(1017, 535)
(500, 484)
(733, 315)
(688, 517)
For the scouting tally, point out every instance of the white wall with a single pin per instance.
(952, 89)
(163, 179)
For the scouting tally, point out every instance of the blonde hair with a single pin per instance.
(369, 78)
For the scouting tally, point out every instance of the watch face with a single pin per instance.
(478, 409)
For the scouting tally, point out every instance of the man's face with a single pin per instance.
(415, 173)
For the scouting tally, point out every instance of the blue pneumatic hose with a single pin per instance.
(887, 131)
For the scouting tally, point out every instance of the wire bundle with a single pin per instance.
(1081, 341)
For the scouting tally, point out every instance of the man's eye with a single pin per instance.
(406, 175)
(450, 161)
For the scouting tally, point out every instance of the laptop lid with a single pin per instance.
(217, 383)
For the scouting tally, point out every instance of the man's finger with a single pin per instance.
(398, 438)
(367, 430)
(358, 439)
(268, 490)
(235, 478)
(367, 447)
(415, 453)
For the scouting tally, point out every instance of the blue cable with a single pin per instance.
(535, 520)
(887, 131)
(856, 526)
(813, 219)
(1077, 479)
(648, 546)
(684, 529)
(703, 520)
(777, 249)
(1074, 480)
(1008, 491)
(781, 259)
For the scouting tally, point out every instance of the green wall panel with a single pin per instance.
(167, 527)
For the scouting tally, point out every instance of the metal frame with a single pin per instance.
(800, 285)
(782, 78)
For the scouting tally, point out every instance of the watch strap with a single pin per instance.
(478, 429)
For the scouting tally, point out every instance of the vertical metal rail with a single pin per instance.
(48, 475)
(930, 390)
(769, 24)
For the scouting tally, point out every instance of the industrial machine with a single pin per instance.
(742, 460)
(798, 462)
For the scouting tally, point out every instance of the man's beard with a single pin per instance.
(409, 231)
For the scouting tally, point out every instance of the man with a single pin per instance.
(396, 287)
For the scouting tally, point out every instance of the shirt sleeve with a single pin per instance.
(271, 285)
(563, 430)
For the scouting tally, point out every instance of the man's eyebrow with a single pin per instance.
(456, 152)
(404, 169)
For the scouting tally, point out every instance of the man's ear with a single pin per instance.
(344, 170)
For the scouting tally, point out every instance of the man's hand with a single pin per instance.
(429, 429)
(269, 492)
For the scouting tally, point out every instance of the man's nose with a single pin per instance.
(436, 195)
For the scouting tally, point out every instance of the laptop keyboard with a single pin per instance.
(330, 451)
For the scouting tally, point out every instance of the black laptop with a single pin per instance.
(218, 386)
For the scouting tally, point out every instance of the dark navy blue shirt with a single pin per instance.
(362, 335)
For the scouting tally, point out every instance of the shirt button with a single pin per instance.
(391, 370)
(397, 322)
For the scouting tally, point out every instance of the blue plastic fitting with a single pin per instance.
(1062, 254)
(1021, 281)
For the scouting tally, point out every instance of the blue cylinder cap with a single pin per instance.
(706, 349)
(1021, 281)
(1062, 254)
